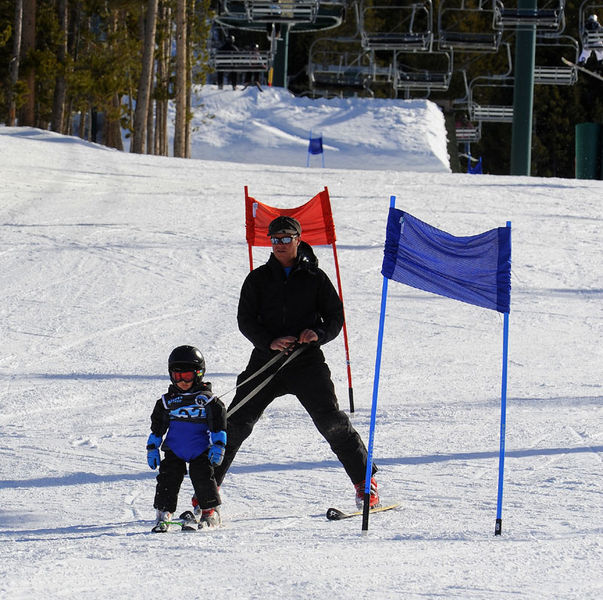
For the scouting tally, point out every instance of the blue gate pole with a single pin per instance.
(503, 421)
(369, 458)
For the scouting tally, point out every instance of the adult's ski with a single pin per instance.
(334, 514)
(581, 68)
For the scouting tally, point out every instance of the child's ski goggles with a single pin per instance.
(186, 376)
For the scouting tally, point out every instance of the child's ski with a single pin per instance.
(165, 526)
(185, 522)
(188, 521)
(334, 514)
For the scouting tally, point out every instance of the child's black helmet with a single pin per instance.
(187, 358)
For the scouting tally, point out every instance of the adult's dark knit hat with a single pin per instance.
(284, 225)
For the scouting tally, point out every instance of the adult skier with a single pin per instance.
(283, 304)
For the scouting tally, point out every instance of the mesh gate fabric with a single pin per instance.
(473, 269)
(315, 145)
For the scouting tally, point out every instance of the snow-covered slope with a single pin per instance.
(109, 260)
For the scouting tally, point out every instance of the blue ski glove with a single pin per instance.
(216, 450)
(153, 457)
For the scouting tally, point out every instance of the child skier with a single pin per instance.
(195, 422)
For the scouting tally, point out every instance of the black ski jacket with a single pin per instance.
(272, 305)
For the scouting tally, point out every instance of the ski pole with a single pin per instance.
(273, 360)
(266, 381)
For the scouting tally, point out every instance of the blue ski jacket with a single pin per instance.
(188, 418)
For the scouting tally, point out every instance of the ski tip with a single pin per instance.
(334, 514)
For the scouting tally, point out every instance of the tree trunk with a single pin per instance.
(14, 63)
(112, 135)
(161, 87)
(28, 46)
(163, 81)
(146, 78)
(113, 128)
(189, 83)
(150, 115)
(60, 89)
(181, 81)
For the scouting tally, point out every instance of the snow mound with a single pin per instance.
(274, 126)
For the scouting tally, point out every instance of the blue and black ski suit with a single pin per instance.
(187, 418)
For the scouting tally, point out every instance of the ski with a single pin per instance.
(164, 526)
(171, 526)
(583, 69)
(186, 522)
(334, 514)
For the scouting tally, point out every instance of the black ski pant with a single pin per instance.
(308, 377)
(171, 473)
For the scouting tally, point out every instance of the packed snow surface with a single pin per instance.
(109, 260)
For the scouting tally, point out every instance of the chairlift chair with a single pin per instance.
(503, 82)
(467, 133)
(247, 60)
(296, 15)
(282, 11)
(339, 65)
(407, 25)
(454, 16)
(431, 71)
(557, 73)
(590, 39)
(550, 16)
(490, 113)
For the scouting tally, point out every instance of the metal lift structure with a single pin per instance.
(279, 18)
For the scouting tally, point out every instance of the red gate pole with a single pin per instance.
(345, 332)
